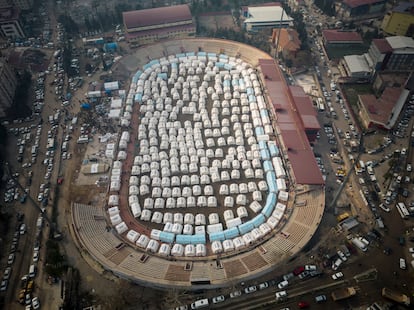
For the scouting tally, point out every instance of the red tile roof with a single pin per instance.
(382, 45)
(290, 123)
(338, 36)
(379, 109)
(157, 16)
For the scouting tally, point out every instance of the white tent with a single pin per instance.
(178, 218)
(200, 219)
(164, 250)
(157, 217)
(177, 228)
(152, 246)
(255, 206)
(213, 218)
(242, 212)
(228, 215)
(189, 250)
(113, 200)
(148, 203)
(248, 239)
(241, 200)
(168, 217)
(239, 243)
(189, 218)
(132, 235)
(201, 250)
(188, 229)
(216, 247)
(145, 215)
(136, 209)
(121, 228)
(228, 245)
(113, 211)
(155, 234)
(115, 219)
(177, 250)
(224, 189)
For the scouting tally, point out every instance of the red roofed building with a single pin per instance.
(293, 120)
(382, 112)
(289, 43)
(150, 25)
(332, 36)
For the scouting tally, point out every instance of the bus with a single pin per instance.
(402, 209)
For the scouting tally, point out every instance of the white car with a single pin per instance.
(411, 250)
(310, 267)
(342, 255)
(235, 294)
(35, 256)
(403, 264)
(35, 303)
(250, 289)
(218, 299)
(337, 275)
(263, 285)
(283, 284)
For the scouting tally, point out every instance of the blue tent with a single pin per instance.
(258, 220)
(267, 166)
(217, 236)
(273, 149)
(231, 233)
(246, 227)
(183, 239)
(167, 237)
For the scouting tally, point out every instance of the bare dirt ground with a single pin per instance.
(214, 22)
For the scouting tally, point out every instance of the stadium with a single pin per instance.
(215, 180)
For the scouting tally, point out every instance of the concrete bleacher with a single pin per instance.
(254, 261)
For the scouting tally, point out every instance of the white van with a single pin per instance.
(199, 304)
(32, 271)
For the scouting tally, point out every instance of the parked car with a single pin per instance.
(218, 299)
(235, 294)
(337, 275)
(320, 298)
(250, 289)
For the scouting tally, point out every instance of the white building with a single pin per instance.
(266, 17)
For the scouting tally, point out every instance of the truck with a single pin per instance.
(343, 293)
(359, 244)
(395, 296)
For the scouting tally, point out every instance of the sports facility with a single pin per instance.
(213, 178)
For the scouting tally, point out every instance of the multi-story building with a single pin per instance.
(400, 20)
(8, 83)
(402, 56)
(10, 26)
(150, 25)
(269, 16)
(359, 9)
(287, 42)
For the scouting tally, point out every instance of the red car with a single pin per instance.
(298, 270)
(303, 304)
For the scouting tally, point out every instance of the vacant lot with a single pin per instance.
(214, 21)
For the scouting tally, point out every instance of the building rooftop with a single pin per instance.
(345, 36)
(267, 14)
(290, 123)
(400, 42)
(382, 45)
(289, 39)
(156, 16)
(357, 63)
(379, 109)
